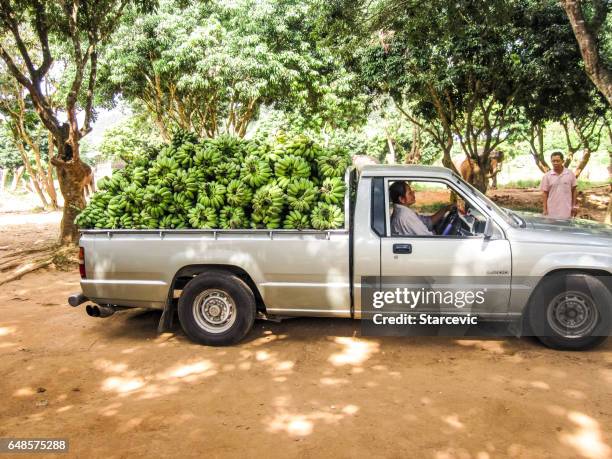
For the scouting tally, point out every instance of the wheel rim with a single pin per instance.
(214, 311)
(572, 315)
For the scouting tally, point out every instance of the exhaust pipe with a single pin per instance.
(99, 311)
(76, 298)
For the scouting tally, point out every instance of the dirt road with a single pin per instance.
(305, 387)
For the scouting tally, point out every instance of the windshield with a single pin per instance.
(509, 217)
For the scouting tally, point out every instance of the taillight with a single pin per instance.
(82, 263)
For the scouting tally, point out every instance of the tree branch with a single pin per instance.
(587, 42)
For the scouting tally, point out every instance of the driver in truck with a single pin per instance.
(404, 220)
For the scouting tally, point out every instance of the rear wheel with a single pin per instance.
(216, 309)
(571, 311)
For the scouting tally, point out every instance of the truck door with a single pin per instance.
(469, 262)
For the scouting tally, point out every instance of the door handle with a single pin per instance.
(402, 248)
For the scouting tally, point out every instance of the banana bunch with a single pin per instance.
(232, 218)
(103, 184)
(185, 154)
(179, 207)
(139, 175)
(304, 147)
(142, 160)
(290, 168)
(206, 158)
(332, 190)
(229, 146)
(260, 220)
(136, 218)
(226, 171)
(114, 184)
(266, 153)
(211, 194)
(157, 199)
(94, 215)
(301, 195)
(162, 171)
(223, 182)
(202, 217)
(167, 151)
(255, 171)
(332, 164)
(132, 198)
(238, 194)
(87, 218)
(126, 221)
(296, 220)
(185, 185)
(102, 222)
(172, 222)
(113, 222)
(326, 216)
(180, 136)
(147, 221)
(116, 206)
(268, 200)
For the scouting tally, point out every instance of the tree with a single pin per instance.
(26, 134)
(452, 67)
(589, 33)
(10, 160)
(556, 87)
(211, 67)
(129, 139)
(81, 27)
(588, 129)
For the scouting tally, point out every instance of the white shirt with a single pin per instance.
(406, 222)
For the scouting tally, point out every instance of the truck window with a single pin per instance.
(378, 206)
(430, 208)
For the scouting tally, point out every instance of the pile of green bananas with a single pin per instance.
(285, 181)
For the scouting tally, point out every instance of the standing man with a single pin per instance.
(559, 188)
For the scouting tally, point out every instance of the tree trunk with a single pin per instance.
(608, 219)
(446, 154)
(17, 177)
(3, 177)
(481, 180)
(587, 41)
(33, 177)
(50, 184)
(414, 156)
(586, 155)
(71, 174)
(390, 159)
(70, 177)
(536, 146)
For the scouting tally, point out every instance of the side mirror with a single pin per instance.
(488, 229)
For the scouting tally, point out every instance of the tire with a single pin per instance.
(571, 311)
(217, 309)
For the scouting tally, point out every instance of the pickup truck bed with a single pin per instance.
(296, 272)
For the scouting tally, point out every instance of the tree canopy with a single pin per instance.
(211, 67)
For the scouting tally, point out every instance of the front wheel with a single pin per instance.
(571, 311)
(216, 309)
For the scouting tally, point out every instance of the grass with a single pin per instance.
(522, 184)
(430, 208)
(525, 184)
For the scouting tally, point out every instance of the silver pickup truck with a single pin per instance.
(555, 273)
